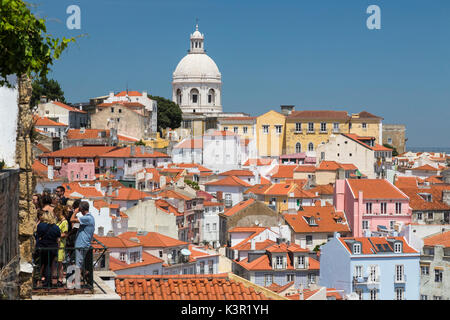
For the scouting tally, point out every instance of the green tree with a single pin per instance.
(139, 143)
(169, 113)
(45, 87)
(394, 150)
(25, 50)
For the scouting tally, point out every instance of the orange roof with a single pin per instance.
(247, 246)
(328, 166)
(281, 189)
(147, 259)
(43, 148)
(408, 182)
(362, 141)
(46, 122)
(238, 207)
(77, 134)
(85, 191)
(139, 153)
(369, 244)
(265, 181)
(153, 239)
(129, 93)
(231, 181)
(171, 194)
(130, 194)
(116, 242)
(123, 103)
(332, 292)
(263, 263)
(167, 207)
(65, 106)
(246, 173)
(326, 189)
(257, 162)
(375, 189)
(190, 144)
(426, 167)
(184, 287)
(441, 239)
(417, 202)
(325, 219)
(247, 229)
(39, 168)
(78, 152)
(282, 171)
(305, 168)
(277, 288)
(283, 247)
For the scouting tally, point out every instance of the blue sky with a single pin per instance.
(313, 54)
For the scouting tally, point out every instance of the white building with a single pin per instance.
(222, 151)
(230, 189)
(60, 112)
(197, 82)
(189, 150)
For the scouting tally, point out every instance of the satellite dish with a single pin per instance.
(169, 255)
(185, 252)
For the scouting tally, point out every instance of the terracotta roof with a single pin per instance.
(147, 259)
(281, 189)
(258, 189)
(85, 190)
(329, 166)
(319, 115)
(327, 189)
(153, 239)
(417, 202)
(123, 103)
(171, 194)
(247, 246)
(130, 194)
(184, 287)
(332, 292)
(39, 168)
(277, 288)
(129, 93)
(375, 189)
(425, 167)
(442, 239)
(282, 171)
(238, 207)
(283, 247)
(190, 144)
(369, 244)
(257, 162)
(116, 242)
(246, 173)
(325, 219)
(46, 122)
(247, 229)
(305, 168)
(263, 263)
(238, 118)
(43, 148)
(78, 152)
(367, 115)
(167, 207)
(406, 182)
(265, 181)
(65, 106)
(231, 181)
(361, 141)
(126, 153)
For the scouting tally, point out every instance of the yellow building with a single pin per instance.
(365, 124)
(307, 129)
(270, 134)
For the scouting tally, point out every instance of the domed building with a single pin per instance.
(197, 82)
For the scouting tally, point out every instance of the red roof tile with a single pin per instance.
(319, 115)
(65, 106)
(369, 246)
(46, 122)
(147, 259)
(375, 189)
(425, 167)
(130, 194)
(246, 173)
(238, 207)
(153, 239)
(442, 239)
(128, 93)
(78, 152)
(229, 181)
(190, 144)
(282, 171)
(257, 162)
(139, 153)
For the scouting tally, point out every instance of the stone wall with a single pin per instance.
(9, 241)
(395, 132)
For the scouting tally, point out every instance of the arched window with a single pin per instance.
(179, 97)
(310, 146)
(298, 147)
(211, 96)
(194, 96)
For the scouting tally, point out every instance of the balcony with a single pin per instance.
(228, 203)
(53, 277)
(366, 280)
(400, 278)
(301, 266)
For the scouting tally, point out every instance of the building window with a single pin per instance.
(311, 278)
(123, 256)
(58, 162)
(207, 227)
(301, 261)
(437, 297)
(373, 294)
(359, 293)
(89, 160)
(235, 129)
(290, 277)
(278, 129)
(245, 129)
(311, 127)
(336, 127)
(430, 215)
(268, 279)
(383, 208)
(369, 208)
(298, 147)
(398, 207)
(365, 224)
(279, 262)
(357, 248)
(425, 270)
(438, 275)
(214, 226)
(310, 146)
(399, 272)
(298, 127)
(112, 110)
(309, 240)
(129, 163)
(392, 224)
(202, 267)
(44, 161)
(423, 297)
(399, 293)
(323, 127)
(364, 125)
(419, 215)
(390, 140)
(358, 271)
(210, 266)
(265, 128)
(398, 247)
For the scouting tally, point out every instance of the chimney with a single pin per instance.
(287, 109)
(50, 173)
(44, 99)
(144, 94)
(98, 186)
(111, 94)
(252, 244)
(219, 196)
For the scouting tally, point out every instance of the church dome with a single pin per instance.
(197, 65)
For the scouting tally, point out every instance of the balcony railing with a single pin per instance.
(366, 280)
(400, 279)
(67, 269)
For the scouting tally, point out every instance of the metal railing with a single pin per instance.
(67, 268)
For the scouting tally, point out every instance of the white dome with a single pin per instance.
(197, 65)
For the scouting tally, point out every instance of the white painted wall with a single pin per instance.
(8, 124)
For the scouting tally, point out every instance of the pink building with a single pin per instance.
(370, 203)
(78, 171)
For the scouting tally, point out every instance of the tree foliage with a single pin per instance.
(169, 113)
(45, 87)
(25, 48)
